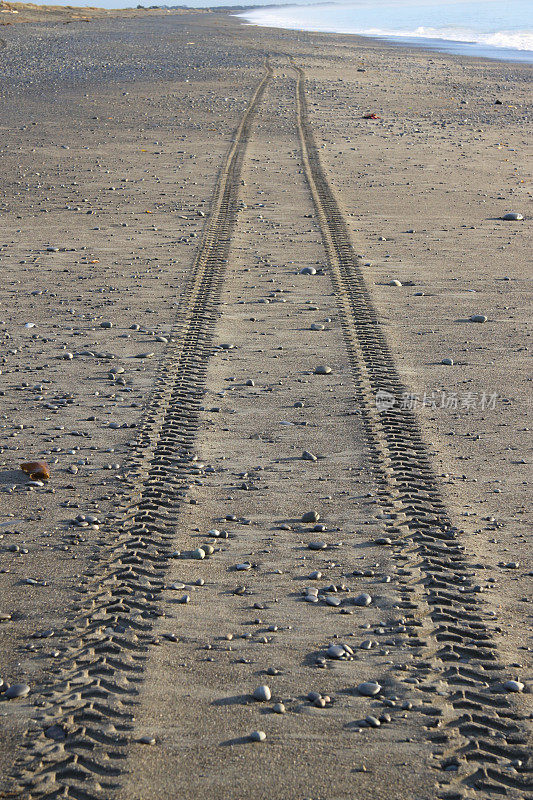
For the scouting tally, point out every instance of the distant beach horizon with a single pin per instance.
(465, 27)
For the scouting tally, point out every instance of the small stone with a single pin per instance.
(262, 693)
(258, 736)
(448, 362)
(369, 688)
(146, 739)
(362, 599)
(106, 324)
(316, 326)
(244, 567)
(317, 545)
(307, 456)
(395, 283)
(199, 554)
(308, 271)
(336, 651)
(17, 690)
(322, 370)
(279, 708)
(372, 722)
(513, 216)
(478, 318)
(310, 516)
(513, 686)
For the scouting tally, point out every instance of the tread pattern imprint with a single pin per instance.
(478, 731)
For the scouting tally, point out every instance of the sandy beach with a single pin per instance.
(284, 548)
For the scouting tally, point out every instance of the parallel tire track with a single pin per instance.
(481, 734)
(77, 743)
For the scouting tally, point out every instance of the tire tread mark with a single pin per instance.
(77, 741)
(419, 524)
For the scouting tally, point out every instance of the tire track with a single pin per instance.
(481, 737)
(77, 743)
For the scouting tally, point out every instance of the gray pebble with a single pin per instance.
(262, 693)
(369, 688)
(478, 318)
(258, 736)
(372, 722)
(336, 651)
(310, 516)
(17, 690)
(362, 599)
(307, 456)
(322, 370)
(447, 362)
(513, 686)
(317, 545)
(513, 215)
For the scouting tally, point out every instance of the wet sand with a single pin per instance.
(150, 221)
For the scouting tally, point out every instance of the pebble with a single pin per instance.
(478, 318)
(146, 740)
(198, 553)
(369, 688)
(317, 545)
(308, 271)
(243, 567)
(307, 456)
(395, 283)
(322, 370)
(262, 693)
(310, 516)
(336, 651)
(513, 686)
(279, 708)
(106, 324)
(513, 215)
(372, 722)
(316, 326)
(17, 690)
(362, 599)
(447, 362)
(258, 736)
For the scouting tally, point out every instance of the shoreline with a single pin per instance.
(139, 376)
(439, 45)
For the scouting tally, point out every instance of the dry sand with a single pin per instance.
(127, 245)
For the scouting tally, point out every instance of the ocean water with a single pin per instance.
(500, 29)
